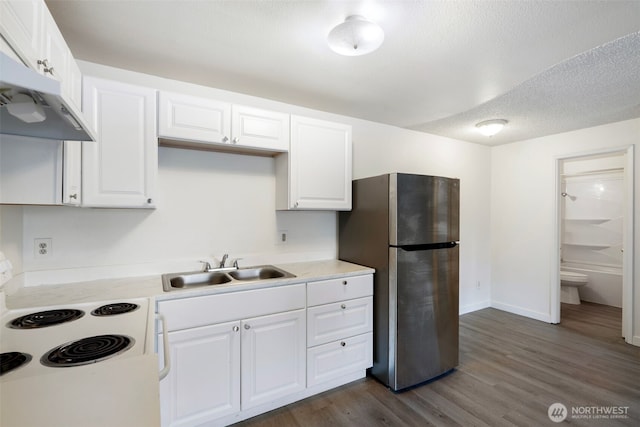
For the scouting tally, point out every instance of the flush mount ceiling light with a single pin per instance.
(491, 127)
(355, 36)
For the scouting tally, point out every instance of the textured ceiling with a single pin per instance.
(546, 66)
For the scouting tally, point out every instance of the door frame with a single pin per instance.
(628, 237)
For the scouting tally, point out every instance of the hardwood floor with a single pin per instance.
(511, 370)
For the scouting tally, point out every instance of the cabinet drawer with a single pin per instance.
(327, 291)
(339, 320)
(206, 310)
(335, 359)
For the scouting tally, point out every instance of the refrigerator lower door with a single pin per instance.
(423, 330)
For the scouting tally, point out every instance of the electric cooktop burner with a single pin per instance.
(43, 319)
(115, 308)
(87, 350)
(12, 360)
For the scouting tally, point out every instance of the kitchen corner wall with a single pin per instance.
(213, 203)
(523, 214)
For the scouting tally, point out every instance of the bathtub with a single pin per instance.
(604, 285)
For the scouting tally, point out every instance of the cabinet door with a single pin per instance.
(120, 168)
(256, 128)
(72, 173)
(190, 118)
(55, 51)
(273, 357)
(319, 165)
(21, 26)
(204, 381)
(73, 86)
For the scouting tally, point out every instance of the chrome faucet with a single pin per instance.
(207, 266)
(224, 259)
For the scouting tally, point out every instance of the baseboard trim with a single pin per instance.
(474, 307)
(537, 315)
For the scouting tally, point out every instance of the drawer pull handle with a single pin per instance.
(342, 343)
(343, 306)
(344, 282)
(236, 329)
(247, 326)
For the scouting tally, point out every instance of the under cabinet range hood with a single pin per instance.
(32, 105)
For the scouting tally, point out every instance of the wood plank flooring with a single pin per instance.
(511, 369)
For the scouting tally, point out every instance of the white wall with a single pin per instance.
(523, 214)
(212, 203)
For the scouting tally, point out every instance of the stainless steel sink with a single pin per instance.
(173, 281)
(193, 279)
(261, 272)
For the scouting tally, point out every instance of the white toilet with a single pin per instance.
(569, 284)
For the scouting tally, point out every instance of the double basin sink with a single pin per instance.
(221, 276)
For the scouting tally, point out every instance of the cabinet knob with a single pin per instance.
(296, 205)
(342, 343)
(225, 139)
(343, 306)
(236, 140)
(149, 200)
(45, 66)
(344, 282)
(236, 328)
(73, 196)
(247, 326)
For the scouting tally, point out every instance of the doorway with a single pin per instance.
(599, 171)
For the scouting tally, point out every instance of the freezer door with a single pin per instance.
(423, 209)
(425, 344)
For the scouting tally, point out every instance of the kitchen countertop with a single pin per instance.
(151, 286)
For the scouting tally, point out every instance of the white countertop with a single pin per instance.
(151, 286)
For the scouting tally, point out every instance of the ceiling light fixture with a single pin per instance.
(491, 127)
(355, 36)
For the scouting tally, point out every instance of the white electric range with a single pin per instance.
(80, 364)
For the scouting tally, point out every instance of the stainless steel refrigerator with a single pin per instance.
(407, 227)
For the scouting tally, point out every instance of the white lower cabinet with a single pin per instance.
(273, 357)
(238, 354)
(225, 368)
(204, 380)
(339, 328)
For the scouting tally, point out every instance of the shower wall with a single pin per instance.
(592, 226)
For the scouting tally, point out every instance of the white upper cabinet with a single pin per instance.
(32, 33)
(190, 118)
(21, 25)
(262, 129)
(316, 174)
(207, 123)
(120, 168)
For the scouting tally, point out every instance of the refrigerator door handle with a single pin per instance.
(428, 246)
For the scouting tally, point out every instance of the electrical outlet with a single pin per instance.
(283, 237)
(42, 247)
